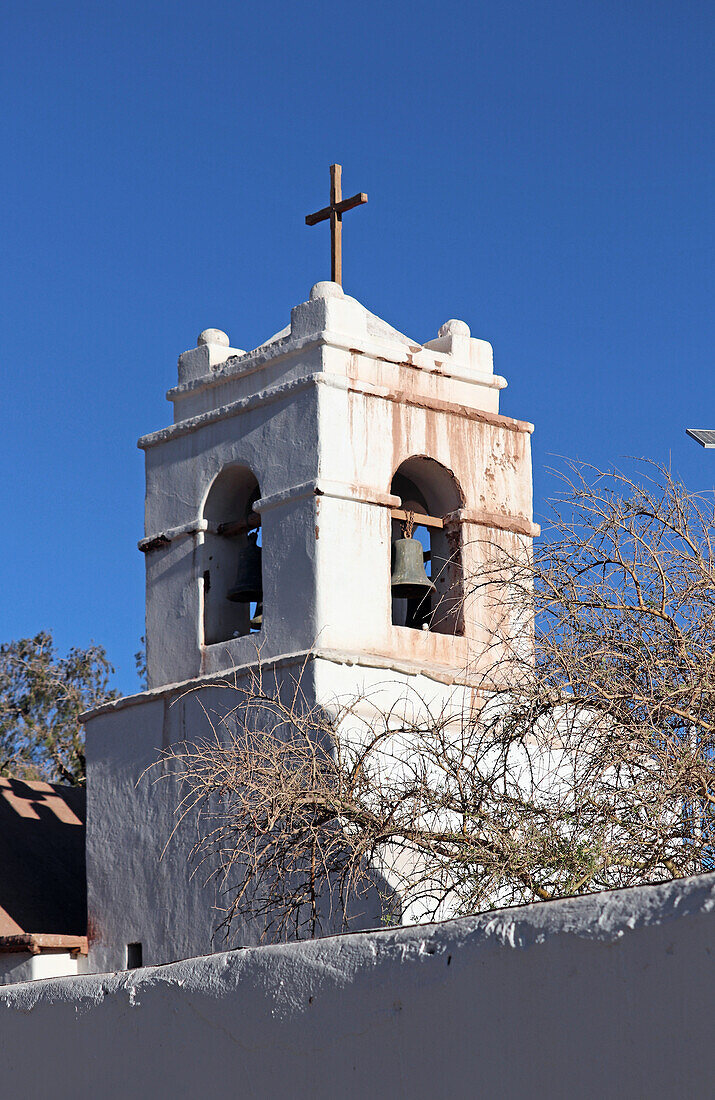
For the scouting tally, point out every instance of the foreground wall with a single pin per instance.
(610, 995)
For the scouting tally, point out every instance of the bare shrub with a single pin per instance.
(580, 758)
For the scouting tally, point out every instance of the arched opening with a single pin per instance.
(429, 502)
(231, 574)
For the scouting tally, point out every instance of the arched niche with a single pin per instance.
(232, 527)
(430, 492)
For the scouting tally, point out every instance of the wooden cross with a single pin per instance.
(338, 206)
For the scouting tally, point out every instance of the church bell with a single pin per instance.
(409, 579)
(248, 586)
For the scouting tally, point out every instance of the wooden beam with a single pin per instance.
(336, 224)
(238, 526)
(419, 519)
(34, 943)
(350, 204)
(336, 184)
(320, 216)
(334, 213)
(340, 207)
(336, 252)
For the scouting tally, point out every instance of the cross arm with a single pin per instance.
(320, 216)
(339, 208)
(348, 204)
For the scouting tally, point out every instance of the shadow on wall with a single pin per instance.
(43, 886)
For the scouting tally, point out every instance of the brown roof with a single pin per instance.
(43, 887)
(34, 943)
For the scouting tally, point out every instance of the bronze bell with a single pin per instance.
(256, 620)
(248, 586)
(409, 579)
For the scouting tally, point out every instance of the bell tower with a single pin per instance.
(319, 503)
(325, 444)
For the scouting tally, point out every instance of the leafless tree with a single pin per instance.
(579, 758)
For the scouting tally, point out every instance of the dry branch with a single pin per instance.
(583, 761)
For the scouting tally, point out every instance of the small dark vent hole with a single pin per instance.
(134, 955)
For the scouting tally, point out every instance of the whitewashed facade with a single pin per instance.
(324, 432)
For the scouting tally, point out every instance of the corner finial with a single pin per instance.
(213, 336)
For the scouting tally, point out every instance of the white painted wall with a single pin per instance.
(611, 995)
(322, 415)
(21, 966)
(141, 885)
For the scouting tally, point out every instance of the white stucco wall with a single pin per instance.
(611, 995)
(319, 418)
(141, 885)
(323, 415)
(22, 966)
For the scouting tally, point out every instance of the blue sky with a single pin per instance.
(543, 171)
